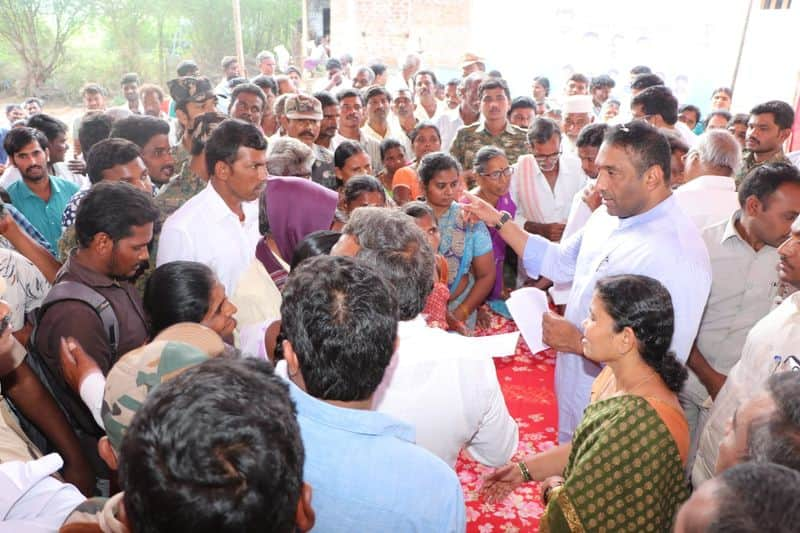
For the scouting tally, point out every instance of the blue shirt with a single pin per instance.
(46, 217)
(367, 474)
(662, 243)
(3, 154)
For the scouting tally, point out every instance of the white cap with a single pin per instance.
(577, 103)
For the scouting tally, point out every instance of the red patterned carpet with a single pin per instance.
(527, 383)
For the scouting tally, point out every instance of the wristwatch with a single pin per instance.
(505, 216)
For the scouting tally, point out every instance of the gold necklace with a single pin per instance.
(642, 382)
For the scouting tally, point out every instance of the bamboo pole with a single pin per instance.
(237, 31)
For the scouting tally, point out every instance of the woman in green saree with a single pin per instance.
(623, 470)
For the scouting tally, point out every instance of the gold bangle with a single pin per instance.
(526, 476)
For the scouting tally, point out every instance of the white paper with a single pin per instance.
(501, 345)
(527, 305)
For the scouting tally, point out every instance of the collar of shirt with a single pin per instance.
(730, 229)
(26, 191)
(349, 420)
(661, 209)
(219, 210)
(709, 182)
(86, 275)
(509, 127)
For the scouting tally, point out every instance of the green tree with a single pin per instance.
(38, 30)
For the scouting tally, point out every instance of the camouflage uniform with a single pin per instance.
(469, 139)
(188, 89)
(749, 163)
(177, 191)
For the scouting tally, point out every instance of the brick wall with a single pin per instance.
(389, 29)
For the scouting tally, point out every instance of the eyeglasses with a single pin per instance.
(548, 158)
(5, 322)
(497, 174)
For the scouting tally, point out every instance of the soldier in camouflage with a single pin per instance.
(304, 115)
(193, 96)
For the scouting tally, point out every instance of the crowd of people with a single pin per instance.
(251, 305)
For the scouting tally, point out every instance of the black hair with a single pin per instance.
(435, 162)
(325, 98)
(11, 107)
(658, 100)
(18, 138)
(691, 109)
(542, 130)
(777, 439)
(49, 125)
(428, 73)
(316, 243)
(641, 69)
(139, 129)
(345, 151)
(763, 180)
(333, 63)
(418, 209)
(93, 128)
(647, 145)
(645, 305)
(421, 125)
(247, 88)
(544, 82)
(265, 82)
(349, 93)
(739, 118)
(756, 497)
(603, 80)
(33, 99)
(178, 292)
(643, 81)
(151, 88)
(782, 113)
(494, 83)
(92, 88)
(341, 319)
(454, 82)
(389, 143)
(378, 68)
(579, 78)
(227, 61)
(720, 113)
(521, 102)
(130, 77)
(494, 74)
(109, 153)
(392, 243)
(724, 90)
(225, 141)
(216, 449)
(358, 185)
(187, 68)
(4, 196)
(592, 135)
(113, 208)
(376, 90)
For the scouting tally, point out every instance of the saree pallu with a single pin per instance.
(624, 472)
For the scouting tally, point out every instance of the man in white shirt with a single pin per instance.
(639, 230)
(219, 226)
(351, 115)
(437, 382)
(770, 342)
(467, 112)
(577, 112)
(743, 253)
(659, 107)
(428, 106)
(378, 126)
(544, 184)
(709, 194)
(230, 70)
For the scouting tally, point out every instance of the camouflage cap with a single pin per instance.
(134, 376)
(302, 106)
(190, 89)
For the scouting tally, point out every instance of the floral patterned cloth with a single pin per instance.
(527, 383)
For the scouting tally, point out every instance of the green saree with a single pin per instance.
(624, 472)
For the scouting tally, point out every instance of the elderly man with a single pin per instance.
(709, 192)
(576, 113)
(640, 230)
(459, 403)
(472, 63)
(247, 102)
(467, 112)
(290, 157)
(266, 63)
(743, 253)
(230, 69)
(363, 78)
(303, 117)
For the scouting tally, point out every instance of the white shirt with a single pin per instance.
(646, 244)
(204, 229)
(371, 146)
(31, 500)
(708, 199)
(775, 335)
(448, 391)
(449, 123)
(743, 290)
(423, 116)
(688, 136)
(25, 286)
(393, 131)
(579, 214)
(536, 201)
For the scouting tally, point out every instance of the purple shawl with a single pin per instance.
(504, 203)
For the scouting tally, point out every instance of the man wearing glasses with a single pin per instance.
(545, 183)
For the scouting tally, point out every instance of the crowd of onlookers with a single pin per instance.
(251, 305)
